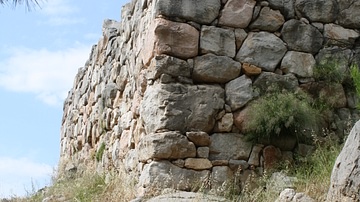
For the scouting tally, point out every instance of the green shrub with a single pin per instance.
(281, 113)
(355, 75)
(100, 152)
(329, 71)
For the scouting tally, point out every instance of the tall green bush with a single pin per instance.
(355, 75)
(281, 113)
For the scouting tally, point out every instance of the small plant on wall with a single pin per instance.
(100, 152)
(330, 71)
(355, 75)
(281, 113)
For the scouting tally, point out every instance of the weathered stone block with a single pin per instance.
(251, 70)
(225, 123)
(262, 49)
(226, 146)
(218, 41)
(268, 20)
(202, 152)
(164, 36)
(254, 158)
(167, 145)
(298, 63)
(164, 64)
(210, 68)
(158, 175)
(324, 11)
(198, 163)
(235, 10)
(199, 138)
(203, 12)
(302, 37)
(238, 92)
(272, 156)
(335, 35)
(180, 107)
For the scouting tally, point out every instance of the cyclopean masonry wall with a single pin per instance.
(165, 91)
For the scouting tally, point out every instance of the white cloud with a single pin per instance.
(60, 12)
(58, 21)
(18, 176)
(57, 7)
(48, 74)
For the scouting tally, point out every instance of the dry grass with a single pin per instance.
(89, 186)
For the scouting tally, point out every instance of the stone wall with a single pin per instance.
(165, 91)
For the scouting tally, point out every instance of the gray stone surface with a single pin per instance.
(211, 68)
(345, 181)
(299, 63)
(349, 16)
(199, 138)
(240, 36)
(226, 146)
(198, 163)
(235, 10)
(166, 145)
(164, 64)
(336, 35)
(181, 107)
(302, 37)
(218, 41)
(221, 175)
(182, 196)
(203, 12)
(324, 11)
(262, 49)
(285, 6)
(158, 175)
(238, 92)
(268, 20)
(163, 37)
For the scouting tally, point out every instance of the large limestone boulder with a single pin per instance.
(345, 179)
(203, 12)
(298, 63)
(218, 41)
(302, 37)
(158, 175)
(166, 145)
(226, 146)
(235, 10)
(164, 64)
(349, 15)
(238, 92)
(210, 68)
(262, 49)
(317, 11)
(285, 6)
(268, 20)
(336, 35)
(164, 36)
(180, 107)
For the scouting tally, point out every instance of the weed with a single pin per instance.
(100, 152)
(329, 71)
(355, 75)
(281, 113)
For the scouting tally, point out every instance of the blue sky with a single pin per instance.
(40, 52)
